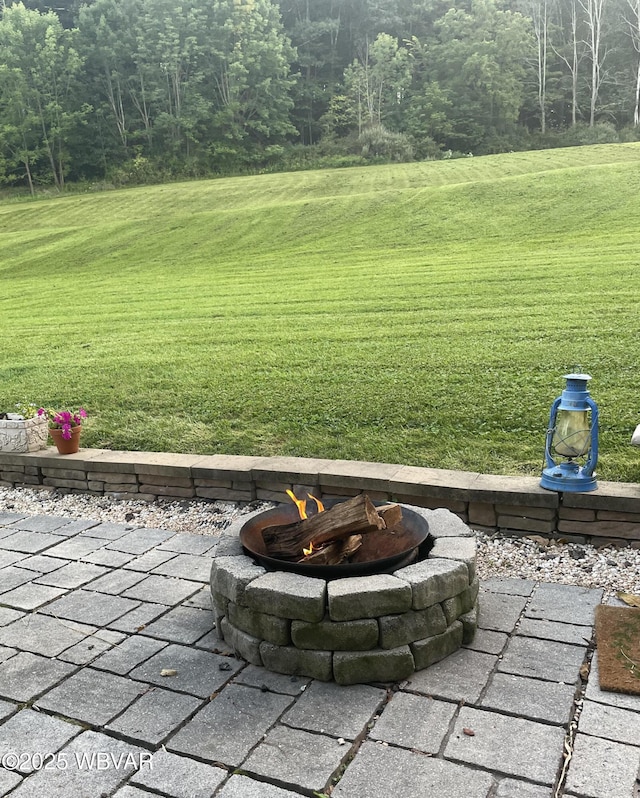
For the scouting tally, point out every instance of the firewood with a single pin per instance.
(391, 515)
(356, 515)
(334, 553)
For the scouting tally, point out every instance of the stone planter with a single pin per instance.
(26, 435)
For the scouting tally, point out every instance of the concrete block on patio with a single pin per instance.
(367, 597)
(379, 665)
(434, 580)
(297, 661)
(287, 595)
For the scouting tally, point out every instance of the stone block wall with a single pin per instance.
(356, 629)
(510, 505)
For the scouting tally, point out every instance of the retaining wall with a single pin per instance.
(511, 505)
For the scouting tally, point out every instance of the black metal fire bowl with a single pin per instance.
(381, 552)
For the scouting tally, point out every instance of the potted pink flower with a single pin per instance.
(65, 427)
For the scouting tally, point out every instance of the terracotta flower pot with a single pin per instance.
(66, 445)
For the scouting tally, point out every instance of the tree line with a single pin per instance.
(142, 90)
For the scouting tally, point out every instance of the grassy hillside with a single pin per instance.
(417, 313)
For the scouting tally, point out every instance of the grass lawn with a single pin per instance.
(416, 313)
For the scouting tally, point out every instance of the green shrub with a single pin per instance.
(378, 143)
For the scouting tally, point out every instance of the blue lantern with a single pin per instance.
(572, 435)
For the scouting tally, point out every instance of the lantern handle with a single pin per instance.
(549, 437)
(590, 465)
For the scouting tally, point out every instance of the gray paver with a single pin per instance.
(138, 618)
(27, 675)
(187, 566)
(31, 596)
(269, 680)
(97, 765)
(201, 599)
(513, 746)
(162, 590)
(510, 788)
(602, 768)
(42, 634)
(7, 708)
(131, 792)
(612, 723)
(6, 653)
(29, 542)
(244, 713)
(566, 603)
(11, 557)
(212, 642)
(128, 654)
(461, 676)
(107, 530)
(330, 709)
(75, 548)
(487, 641)
(499, 612)
(190, 544)
(116, 582)
(8, 780)
(9, 518)
(180, 777)
(298, 757)
(43, 563)
(42, 523)
(553, 630)
(513, 587)
(415, 722)
(74, 527)
(154, 716)
(181, 625)
(11, 577)
(91, 647)
(8, 615)
(152, 559)
(92, 696)
(542, 659)
(199, 672)
(98, 609)
(72, 575)
(530, 698)
(108, 557)
(242, 787)
(140, 540)
(377, 770)
(33, 734)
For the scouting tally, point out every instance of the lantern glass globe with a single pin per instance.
(572, 434)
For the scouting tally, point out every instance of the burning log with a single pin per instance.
(352, 517)
(334, 553)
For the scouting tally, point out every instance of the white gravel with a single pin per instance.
(611, 568)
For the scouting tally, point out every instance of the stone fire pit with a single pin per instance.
(352, 630)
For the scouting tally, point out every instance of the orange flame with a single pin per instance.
(301, 504)
(319, 504)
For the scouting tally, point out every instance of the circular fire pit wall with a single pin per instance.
(358, 629)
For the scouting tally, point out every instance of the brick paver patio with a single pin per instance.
(113, 682)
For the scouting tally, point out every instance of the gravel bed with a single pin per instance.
(611, 568)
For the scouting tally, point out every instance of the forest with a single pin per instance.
(124, 92)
